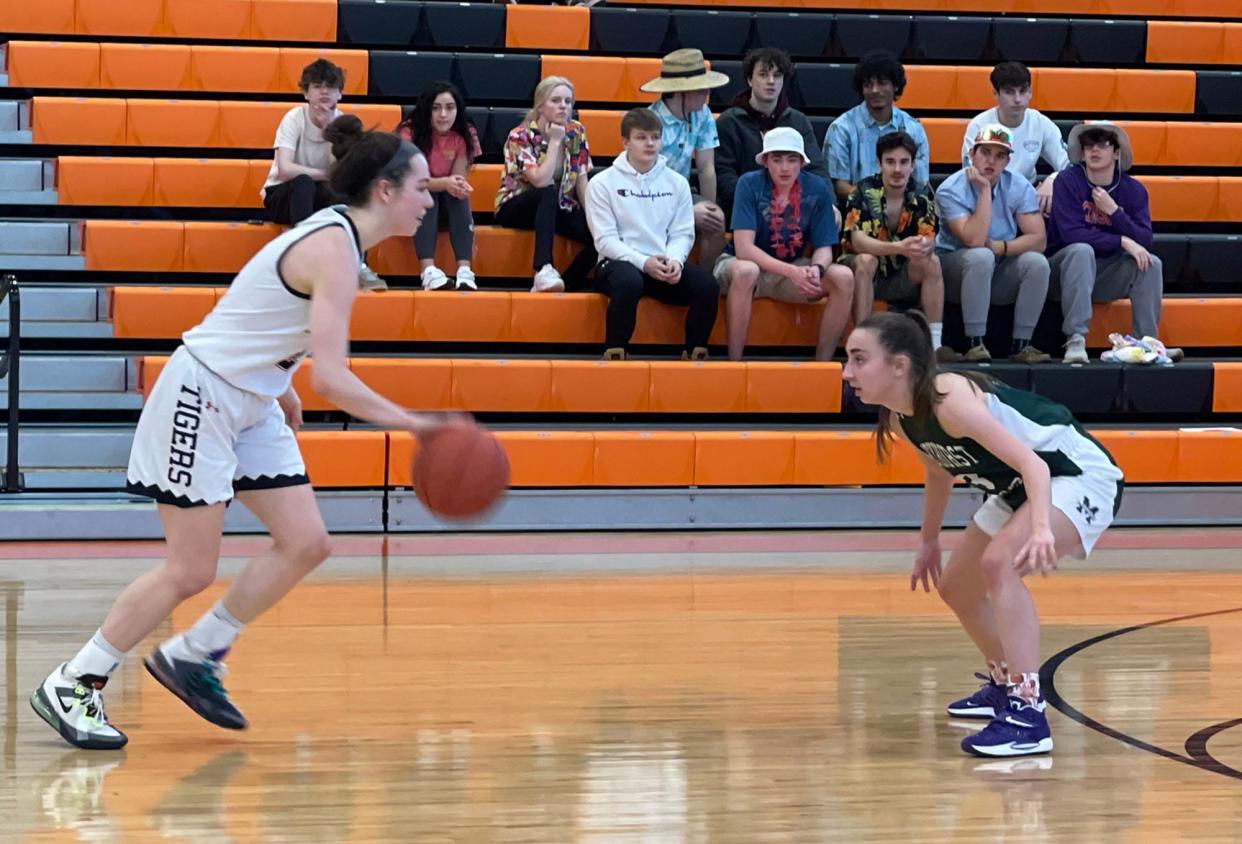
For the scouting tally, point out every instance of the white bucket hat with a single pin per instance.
(783, 139)
(1119, 135)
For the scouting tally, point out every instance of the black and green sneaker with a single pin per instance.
(198, 685)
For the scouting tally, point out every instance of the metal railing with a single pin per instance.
(11, 366)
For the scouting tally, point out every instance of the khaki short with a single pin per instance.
(770, 286)
(897, 286)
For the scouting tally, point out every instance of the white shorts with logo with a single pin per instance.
(200, 439)
(1088, 500)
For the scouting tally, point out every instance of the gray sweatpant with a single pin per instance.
(1080, 278)
(976, 279)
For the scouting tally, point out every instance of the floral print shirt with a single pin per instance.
(526, 148)
(865, 212)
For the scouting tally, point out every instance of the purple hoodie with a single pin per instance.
(1076, 220)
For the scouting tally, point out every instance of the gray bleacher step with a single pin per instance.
(15, 122)
(10, 116)
(99, 479)
(59, 304)
(73, 374)
(75, 401)
(24, 174)
(52, 329)
(77, 449)
(37, 237)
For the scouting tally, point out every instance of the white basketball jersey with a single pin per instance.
(259, 331)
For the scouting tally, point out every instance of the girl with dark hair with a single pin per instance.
(445, 134)
(1051, 490)
(220, 424)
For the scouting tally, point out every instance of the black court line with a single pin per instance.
(1196, 746)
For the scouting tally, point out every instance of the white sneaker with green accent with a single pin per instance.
(73, 707)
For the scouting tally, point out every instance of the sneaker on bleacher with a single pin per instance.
(548, 280)
(465, 279)
(434, 278)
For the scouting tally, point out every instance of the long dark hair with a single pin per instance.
(363, 157)
(419, 121)
(909, 334)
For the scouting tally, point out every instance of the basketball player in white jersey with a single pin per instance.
(220, 424)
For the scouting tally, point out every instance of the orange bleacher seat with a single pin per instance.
(837, 458)
(257, 178)
(793, 387)
(104, 181)
(1209, 456)
(1144, 456)
(234, 68)
(698, 387)
(78, 120)
(199, 182)
(774, 323)
(148, 245)
(657, 323)
(485, 179)
(644, 458)
(384, 315)
(1229, 198)
(159, 312)
(1182, 198)
(1147, 140)
(1170, 91)
(222, 19)
(595, 78)
(224, 247)
(557, 318)
(172, 123)
(345, 458)
(303, 378)
(1231, 52)
(1195, 144)
(944, 136)
(499, 252)
(501, 385)
(144, 67)
(355, 63)
(904, 464)
(38, 16)
(1075, 89)
(639, 71)
(542, 459)
(293, 20)
(744, 458)
(1227, 387)
(548, 27)
(53, 64)
(930, 87)
(374, 115)
(417, 384)
(599, 386)
(439, 315)
(246, 125)
(1185, 42)
(1201, 321)
(603, 129)
(119, 17)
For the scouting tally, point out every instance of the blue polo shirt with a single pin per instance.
(955, 198)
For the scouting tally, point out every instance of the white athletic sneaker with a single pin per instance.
(1076, 349)
(465, 279)
(434, 278)
(548, 280)
(75, 709)
(368, 280)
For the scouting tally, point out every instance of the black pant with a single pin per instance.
(291, 202)
(539, 209)
(453, 214)
(624, 285)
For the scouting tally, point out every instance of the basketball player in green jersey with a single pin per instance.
(1051, 490)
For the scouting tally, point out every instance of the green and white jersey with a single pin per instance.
(1044, 426)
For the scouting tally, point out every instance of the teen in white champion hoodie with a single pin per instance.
(642, 218)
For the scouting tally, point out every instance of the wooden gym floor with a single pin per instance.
(750, 687)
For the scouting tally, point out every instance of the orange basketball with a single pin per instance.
(460, 471)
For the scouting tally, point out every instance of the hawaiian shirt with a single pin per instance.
(526, 148)
(865, 212)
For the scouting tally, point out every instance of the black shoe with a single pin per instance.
(198, 686)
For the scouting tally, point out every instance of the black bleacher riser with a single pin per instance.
(1218, 93)
(482, 77)
(416, 24)
(859, 34)
(624, 31)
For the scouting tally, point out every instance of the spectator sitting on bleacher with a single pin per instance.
(889, 239)
(761, 107)
(297, 185)
(1034, 135)
(642, 216)
(778, 213)
(689, 134)
(544, 185)
(849, 143)
(1099, 237)
(991, 244)
(440, 127)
